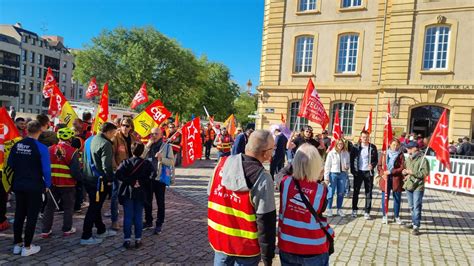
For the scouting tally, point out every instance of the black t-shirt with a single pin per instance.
(300, 141)
(128, 139)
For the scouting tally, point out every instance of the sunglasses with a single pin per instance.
(127, 126)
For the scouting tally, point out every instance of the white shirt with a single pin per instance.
(364, 158)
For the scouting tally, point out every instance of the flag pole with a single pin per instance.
(424, 155)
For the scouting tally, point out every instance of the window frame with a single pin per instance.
(313, 55)
(350, 129)
(293, 117)
(361, 7)
(316, 10)
(359, 56)
(435, 51)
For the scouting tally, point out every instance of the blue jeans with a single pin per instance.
(288, 259)
(415, 199)
(289, 155)
(222, 154)
(114, 201)
(132, 214)
(223, 259)
(397, 197)
(338, 183)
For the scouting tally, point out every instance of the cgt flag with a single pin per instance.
(92, 89)
(10, 131)
(103, 110)
(312, 108)
(60, 107)
(191, 142)
(140, 98)
(439, 141)
(49, 83)
(153, 115)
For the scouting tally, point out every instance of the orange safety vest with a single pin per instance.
(210, 135)
(224, 143)
(61, 156)
(232, 225)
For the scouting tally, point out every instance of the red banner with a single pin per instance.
(191, 142)
(56, 102)
(368, 123)
(9, 129)
(336, 130)
(439, 141)
(158, 112)
(49, 83)
(92, 89)
(141, 97)
(312, 108)
(387, 130)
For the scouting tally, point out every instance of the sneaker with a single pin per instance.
(17, 249)
(127, 244)
(30, 251)
(107, 233)
(91, 241)
(416, 231)
(46, 235)
(384, 220)
(329, 213)
(70, 232)
(147, 226)
(367, 216)
(138, 243)
(408, 226)
(157, 230)
(4, 226)
(341, 213)
(354, 214)
(398, 221)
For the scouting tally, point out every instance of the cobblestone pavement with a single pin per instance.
(447, 233)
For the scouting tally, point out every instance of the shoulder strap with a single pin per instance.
(311, 209)
(137, 167)
(87, 150)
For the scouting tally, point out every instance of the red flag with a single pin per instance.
(439, 141)
(92, 89)
(49, 83)
(9, 129)
(140, 98)
(103, 110)
(56, 101)
(336, 130)
(387, 130)
(191, 142)
(176, 120)
(368, 123)
(312, 108)
(283, 120)
(158, 112)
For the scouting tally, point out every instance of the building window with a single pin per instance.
(32, 57)
(63, 89)
(351, 3)
(307, 5)
(38, 72)
(30, 100)
(347, 53)
(31, 71)
(22, 98)
(23, 69)
(30, 110)
(346, 116)
(33, 41)
(40, 43)
(63, 77)
(23, 84)
(23, 55)
(40, 59)
(39, 86)
(435, 54)
(31, 85)
(38, 99)
(64, 64)
(304, 54)
(294, 109)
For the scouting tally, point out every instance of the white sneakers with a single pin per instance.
(384, 220)
(17, 249)
(107, 233)
(398, 220)
(354, 214)
(30, 251)
(329, 213)
(341, 213)
(367, 216)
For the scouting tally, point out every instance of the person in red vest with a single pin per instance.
(209, 136)
(303, 233)
(223, 143)
(65, 170)
(241, 207)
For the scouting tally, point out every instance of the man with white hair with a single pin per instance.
(241, 208)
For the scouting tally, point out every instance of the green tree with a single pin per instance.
(245, 104)
(126, 58)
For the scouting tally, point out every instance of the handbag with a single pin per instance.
(124, 187)
(166, 171)
(316, 216)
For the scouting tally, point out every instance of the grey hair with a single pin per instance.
(258, 141)
(307, 163)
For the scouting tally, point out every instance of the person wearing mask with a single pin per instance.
(20, 124)
(135, 174)
(364, 159)
(209, 136)
(65, 170)
(395, 161)
(223, 143)
(305, 137)
(278, 157)
(30, 162)
(303, 233)
(416, 169)
(122, 147)
(243, 177)
(159, 153)
(98, 178)
(241, 141)
(335, 173)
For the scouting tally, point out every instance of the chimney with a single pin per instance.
(18, 25)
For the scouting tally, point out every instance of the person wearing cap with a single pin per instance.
(65, 171)
(306, 136)
(326, 139)
(417, 168)
(241, 140)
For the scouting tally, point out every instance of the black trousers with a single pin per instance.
(94, 212)
(158, 189)
(79, 195)
(368, 179)
(276, 166)
(208, 146)
(28, 205)
(3, 204)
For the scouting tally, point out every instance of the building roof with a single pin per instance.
(21, 30)
(8, 39)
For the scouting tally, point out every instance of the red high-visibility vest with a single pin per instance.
(224, 143)
(232, 225)
(60, 171)
(298, 231)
